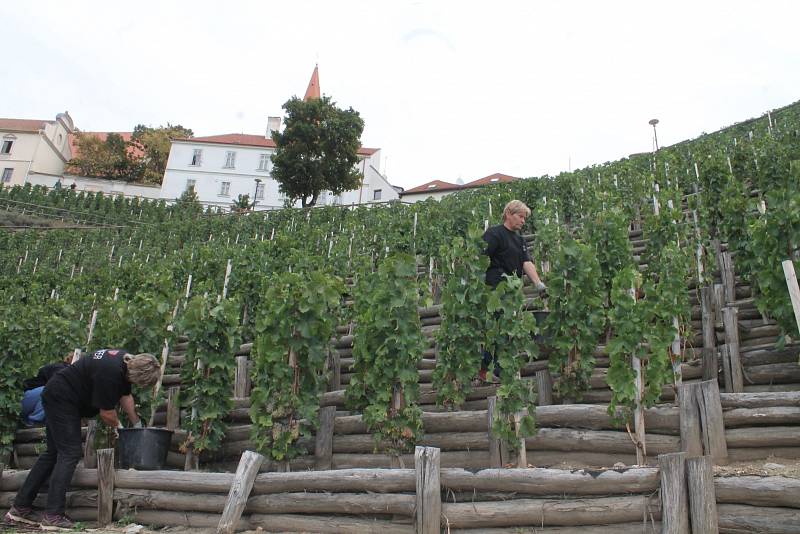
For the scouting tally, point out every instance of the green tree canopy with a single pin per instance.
(154, 144)
(317, 151)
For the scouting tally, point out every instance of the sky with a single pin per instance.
(449, 90)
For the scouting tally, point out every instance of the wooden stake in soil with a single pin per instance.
(494, 443)
(794, 290)
(674, 498)
(702, 497)
(89, 455)
(173, 408)
(691, 440)
(429, 490)
(246, 472)
(323, 450)
(105, 486)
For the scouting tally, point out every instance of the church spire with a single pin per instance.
(313, 85)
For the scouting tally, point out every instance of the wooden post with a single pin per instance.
(494, 443)
(674, 498)
(246, 472)
(544, 388)
(728, 277)
(192, 462)
(241, 386)
(707, 309)
(323, 449)
(336, 371)
(173, 408)
(711, 421)
(89, 454)
(691, 440)
(638, 413)
(719, 303)
(522, 453)
(105, 486)
(730, 355)
(794, 290)
(710, 364)
(702, 497)
(429, 490)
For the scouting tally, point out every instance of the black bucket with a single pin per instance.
(143, 448)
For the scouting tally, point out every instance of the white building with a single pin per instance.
(34, 148)
(221, 167)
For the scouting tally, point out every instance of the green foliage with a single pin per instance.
(293, 331)
(510, 338)
(576, 318)
(241, 204)
(462, 335)
(208, 372)
(317, 150)
(154, 144)
(388, 344)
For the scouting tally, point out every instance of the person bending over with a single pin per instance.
(97, 383)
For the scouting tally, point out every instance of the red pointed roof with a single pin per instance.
(313, 85)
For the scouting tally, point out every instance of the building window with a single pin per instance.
(197, 157)
(376, 195)
(263, 162)
(260, 191)
(225, 189)
(7, 143)
(7, 175)
(190, 184)
(230, 159)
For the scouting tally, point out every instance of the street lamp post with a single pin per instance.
(255, 195)
(653, 123)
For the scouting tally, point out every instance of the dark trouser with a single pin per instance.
(63, 424)
(490, 360)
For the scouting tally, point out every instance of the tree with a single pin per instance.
(154, 145)
(241, 204)
(317, 150)
(103, 158)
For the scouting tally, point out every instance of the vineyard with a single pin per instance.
(338, 339)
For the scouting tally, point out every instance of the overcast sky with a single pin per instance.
(447, 89)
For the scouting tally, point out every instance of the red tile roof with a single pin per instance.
(432, 187)
(251, 140)
(22, 125)
(491, 179)
(439, 185)
(313, 85)
(126, 136)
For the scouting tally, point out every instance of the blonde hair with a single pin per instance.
(516, 206)
(143, 369)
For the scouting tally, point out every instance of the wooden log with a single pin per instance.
(543, 482)
(335, 382)
(739, 518)
(691, 435)
(728, 277)
(732, 367)
(346, 480)
(545, 512)
(759, 400)
(75, 499)
(173, 408)
(767, 416)
(495, 458)
(323, 449)
(89, 454)
(240, 491)
(544, 388)
(428, 490)
(466, 459)
(608, 441)
(749, 454)
(105, 486)
(711, 421)
(773, 373)
(767, 355)
(758, 491)
(618, 528)
(241, 384)
(163, 518)
(327, 524)
(674, 498)
(333, 503)
(719, 302)
(365, 443)
(776, 436)
(702, 502)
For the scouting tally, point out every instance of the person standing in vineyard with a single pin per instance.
(32, 410)
(508, 255)
(94, 384)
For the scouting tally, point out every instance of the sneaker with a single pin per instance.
(21, 516)
(56, 522)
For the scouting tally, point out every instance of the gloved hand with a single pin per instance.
(119, 425)
(541, 287)
(138, 424)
